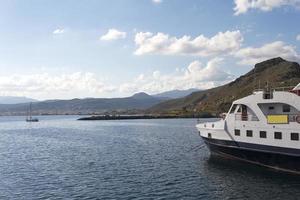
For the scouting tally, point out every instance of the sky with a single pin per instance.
(64, 49)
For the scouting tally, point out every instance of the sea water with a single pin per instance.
(62, 158)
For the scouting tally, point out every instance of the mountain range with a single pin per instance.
(139, 101)
(174, 94)
(129, 105)
(15, 100)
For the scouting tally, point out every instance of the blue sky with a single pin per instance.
(109, 48)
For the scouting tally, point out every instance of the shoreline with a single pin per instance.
(127, 117)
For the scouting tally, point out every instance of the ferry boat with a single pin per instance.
(262, 128)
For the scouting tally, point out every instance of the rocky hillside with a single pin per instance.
(277, 72)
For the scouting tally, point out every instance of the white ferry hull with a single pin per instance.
(283, 159)
(262, 128)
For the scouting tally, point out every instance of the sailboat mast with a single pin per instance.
(30, 115)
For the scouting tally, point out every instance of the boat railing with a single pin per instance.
(269, 91)
(214, 123)
(246, 117)
(285, 88)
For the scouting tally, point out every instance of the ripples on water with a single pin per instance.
(61, 158)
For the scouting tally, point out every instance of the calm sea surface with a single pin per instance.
(61, 158)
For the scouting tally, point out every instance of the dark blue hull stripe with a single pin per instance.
(267, 157)
(255, 147)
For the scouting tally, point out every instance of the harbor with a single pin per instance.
(150, 100)
(62, 158)
(128, 117)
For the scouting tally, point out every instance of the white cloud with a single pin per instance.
(113, 34)
(157, 1)
(298, 37)
(58, 31)
(253, 55)
(80, 84)
(242, 6)
(195, 75)
(46, 86)
(221, 43)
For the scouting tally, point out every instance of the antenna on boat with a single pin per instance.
(254, 79)
(267, 85)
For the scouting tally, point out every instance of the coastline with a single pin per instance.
(127, 117)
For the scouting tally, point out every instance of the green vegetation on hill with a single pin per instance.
(277, 72)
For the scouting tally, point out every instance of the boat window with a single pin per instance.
(278, 135)
(244, 113)
(262, 134)
(249, 133)
(233, 108)
(237, 132)
(279, 109)
(209, 135)
(286, 108)
(295, 136)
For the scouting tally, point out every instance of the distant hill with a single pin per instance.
(173, 94)
(277, 72)
(139, 101)
(15, 100)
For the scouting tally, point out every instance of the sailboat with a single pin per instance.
(29, 117)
